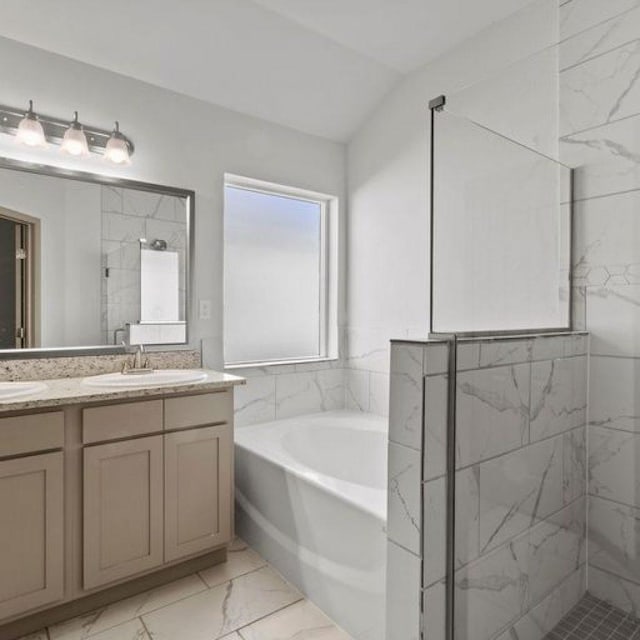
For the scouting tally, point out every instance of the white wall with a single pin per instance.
(388, 169)
(69, 214)
(180, 142)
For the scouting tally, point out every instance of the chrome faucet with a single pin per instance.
(137, 358)
(140, 362)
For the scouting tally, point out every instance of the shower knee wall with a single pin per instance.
(520, 498)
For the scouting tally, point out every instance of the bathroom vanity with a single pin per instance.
(107, 492)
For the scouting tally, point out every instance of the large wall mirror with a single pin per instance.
(90, 262)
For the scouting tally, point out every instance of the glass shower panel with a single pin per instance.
(501, 225)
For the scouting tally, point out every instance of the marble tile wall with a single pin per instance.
(520, 485)
(284, 391)
(600, 134)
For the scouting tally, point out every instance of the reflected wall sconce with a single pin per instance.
(36, 130)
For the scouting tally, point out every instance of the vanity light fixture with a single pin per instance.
(117, 149)
(74, 141)
(29, 130)
(73, 138)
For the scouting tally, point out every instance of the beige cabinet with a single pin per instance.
(197, 481)
(31, 532)
(123, 509)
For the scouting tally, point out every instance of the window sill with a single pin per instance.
(277, 363)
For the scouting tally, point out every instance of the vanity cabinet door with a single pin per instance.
(122, 509)
(31, 530)
(197, 490)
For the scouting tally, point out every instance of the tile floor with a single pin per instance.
(243, 599)
(593, 619)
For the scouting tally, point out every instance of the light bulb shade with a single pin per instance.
(74, 141)
(117, 149)
(30, 132)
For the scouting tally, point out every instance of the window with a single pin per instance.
(278, 274)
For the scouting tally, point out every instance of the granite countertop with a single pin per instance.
(69, 391)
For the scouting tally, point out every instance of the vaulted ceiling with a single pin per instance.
(319, 66)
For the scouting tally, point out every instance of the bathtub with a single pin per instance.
(311, 497)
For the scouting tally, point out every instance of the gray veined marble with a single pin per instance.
(558, 396)
(601, 91)
(519, 489)
(436, 395)
(404, 506)
(576, 17)
(543, 617)
(491, 593)
(607, 159)
(494, 353)
(467, 515)
(602, 38)
(223, 609)
(405, 409)
(496, 590)
(613, 314)
(492, 412)
(605, 252)
(435, 531)
(614, 457)
(311, 392)
(256, 401)
(356, 390)
(614, 538)
(403, 594)
(574, 464)
(615, 590)
(614, 400)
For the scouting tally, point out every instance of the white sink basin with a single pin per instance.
(12, 390)
(157, 378)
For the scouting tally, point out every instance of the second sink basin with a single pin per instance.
(12, 390)
(157, 378)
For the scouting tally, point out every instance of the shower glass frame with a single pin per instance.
(452, 338)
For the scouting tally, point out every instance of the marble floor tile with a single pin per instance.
(301, 621)
(131, 630)
(217, 612)
(114, 614)
(240, 560)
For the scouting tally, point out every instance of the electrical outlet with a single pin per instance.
(205, 309)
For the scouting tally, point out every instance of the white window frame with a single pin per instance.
(329, 225)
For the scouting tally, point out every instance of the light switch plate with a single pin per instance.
(205, 309)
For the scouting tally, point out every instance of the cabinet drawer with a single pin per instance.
(35, 432)
(195, 411)
(121, 420)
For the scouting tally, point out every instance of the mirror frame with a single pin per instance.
(99, 179)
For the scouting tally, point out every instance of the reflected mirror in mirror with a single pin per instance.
(89, 264)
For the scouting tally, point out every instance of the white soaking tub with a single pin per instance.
(311, 496)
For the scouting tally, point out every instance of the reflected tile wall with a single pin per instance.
(127, 216)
